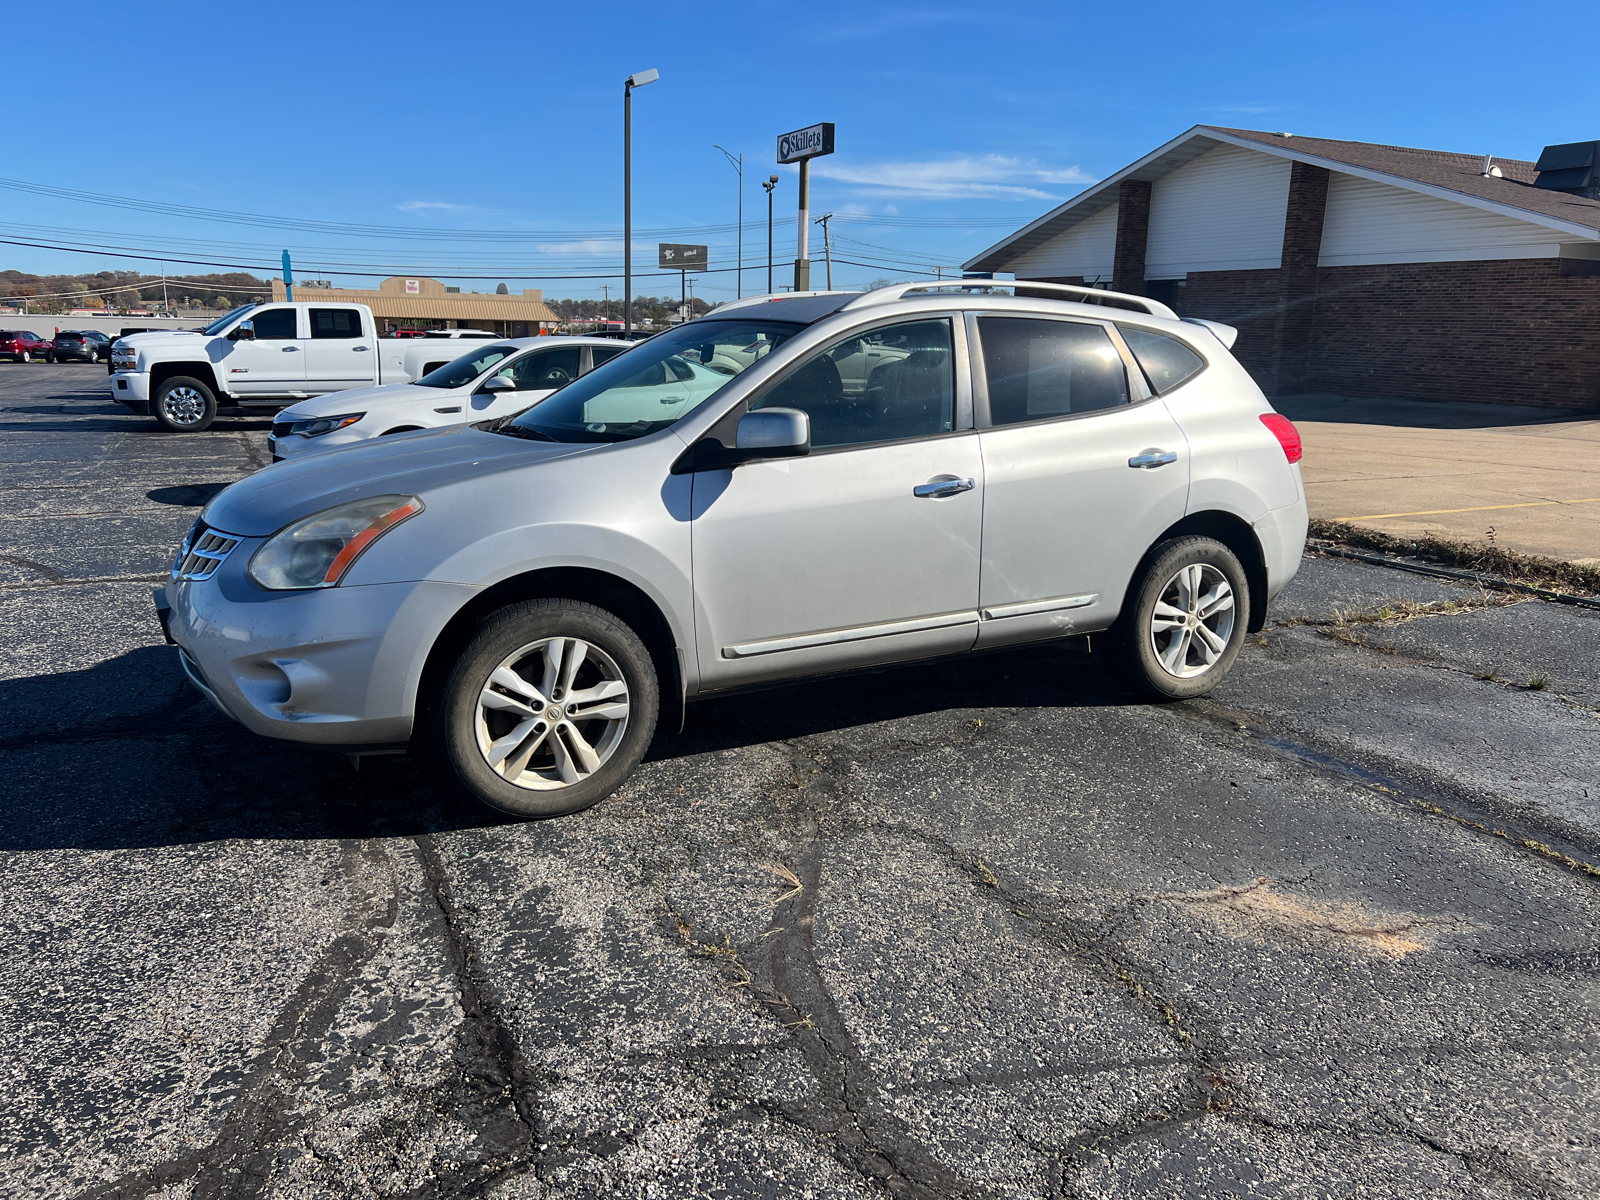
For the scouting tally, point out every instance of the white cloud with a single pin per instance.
(427, 205)
(587, 246)
(976, 177)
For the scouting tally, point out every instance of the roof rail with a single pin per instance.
(768, 297)
(1069, 291)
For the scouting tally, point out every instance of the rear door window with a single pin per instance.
(1166, 361)
(1038, 369)
(333, 323)
(544, 370)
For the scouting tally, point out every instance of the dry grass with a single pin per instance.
(789, 877)
(1485, 556)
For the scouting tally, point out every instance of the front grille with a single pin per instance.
(281, 429)
(202, 552)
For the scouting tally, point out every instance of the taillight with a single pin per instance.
(1288, 436)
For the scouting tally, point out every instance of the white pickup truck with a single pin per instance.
(266, 356)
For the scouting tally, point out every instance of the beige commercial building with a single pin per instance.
(417, 302)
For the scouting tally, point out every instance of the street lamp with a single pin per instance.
(738, 165)
(637, 79)
(770, 185)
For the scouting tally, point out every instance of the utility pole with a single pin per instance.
(637, 79)
(605, 315)
(167, 307)
(770, 185)
(738, 165)
(827, 245)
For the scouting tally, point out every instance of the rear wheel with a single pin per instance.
(183, 405)
(549, 709)
(1185, 619)
(27, 356)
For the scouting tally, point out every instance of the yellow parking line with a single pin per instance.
(1435, 512)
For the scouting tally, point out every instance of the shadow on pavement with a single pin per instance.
(194, 495)
(125, 754)
(1423, 414)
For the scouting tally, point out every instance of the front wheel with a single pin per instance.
(1185, 619)
(549, 709)
(184, 405)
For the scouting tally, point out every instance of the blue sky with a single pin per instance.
(482, 143)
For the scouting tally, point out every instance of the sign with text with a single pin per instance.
(811, 142)
(681, 258)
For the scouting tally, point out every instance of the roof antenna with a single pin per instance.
(1490, 171)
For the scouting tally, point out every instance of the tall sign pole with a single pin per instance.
(637, 79)
(288, 280)
(801, 147)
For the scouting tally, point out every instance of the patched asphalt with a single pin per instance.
(983, 929)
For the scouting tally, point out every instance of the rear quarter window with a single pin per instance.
(1166, 361)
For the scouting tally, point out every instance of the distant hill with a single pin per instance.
(129, 289)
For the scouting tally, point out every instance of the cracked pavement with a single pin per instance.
(977, 929)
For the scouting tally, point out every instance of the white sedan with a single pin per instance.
(492, 379)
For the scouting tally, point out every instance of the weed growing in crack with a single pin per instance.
(1490, 675)
(1539, 682)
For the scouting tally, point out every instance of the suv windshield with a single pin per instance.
(652, 385)
(221, 323)
(466, 368)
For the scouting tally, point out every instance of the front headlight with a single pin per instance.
(316, 551)
(317, 426)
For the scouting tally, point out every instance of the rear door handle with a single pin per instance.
(1152, 458)
(290, 349)
(943, 487)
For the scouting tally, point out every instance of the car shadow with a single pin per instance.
(194, 495)
(126, 755)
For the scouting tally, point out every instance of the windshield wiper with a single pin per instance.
(533, 435)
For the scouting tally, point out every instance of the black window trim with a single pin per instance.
(1139, 390)
(961, 365)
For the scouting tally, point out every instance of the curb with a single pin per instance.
(1478, 577)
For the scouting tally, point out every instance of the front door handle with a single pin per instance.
(943, 487)
(290, 349)
(1152, 458)
(360, 347)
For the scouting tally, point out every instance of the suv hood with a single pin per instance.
(409, 463)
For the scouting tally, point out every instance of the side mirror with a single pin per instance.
(499, 383)
(773, 433)
(244, 331)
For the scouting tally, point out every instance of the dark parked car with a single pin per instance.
(22, 345)
(81, 345)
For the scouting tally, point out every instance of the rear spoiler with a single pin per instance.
(1226, 334)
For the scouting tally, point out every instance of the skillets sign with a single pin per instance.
(810, 142)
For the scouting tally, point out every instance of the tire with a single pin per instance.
(27, 356)
(1162, 654)
(50, 357)
(513, 651)
(183, 405)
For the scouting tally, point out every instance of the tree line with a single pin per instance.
(129, 289)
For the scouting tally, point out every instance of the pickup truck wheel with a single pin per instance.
(184, 405)
(549, 709)
(1185, 619)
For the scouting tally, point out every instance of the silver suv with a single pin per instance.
(790, 486)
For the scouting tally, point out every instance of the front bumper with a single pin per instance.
(334, 667)
(296, 445)
(131, 388)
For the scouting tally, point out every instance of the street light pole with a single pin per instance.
(738, 165)
(770, 185)
(637, 79)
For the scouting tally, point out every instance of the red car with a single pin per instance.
(19, 345)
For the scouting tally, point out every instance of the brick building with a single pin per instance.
(1349, 267)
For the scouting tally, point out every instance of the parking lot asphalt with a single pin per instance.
(982, 929)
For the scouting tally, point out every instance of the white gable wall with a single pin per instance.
(1369, 222)
(1089, 249)
(1222, 212)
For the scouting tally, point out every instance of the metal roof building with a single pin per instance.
(1352, 267)
(415, 301)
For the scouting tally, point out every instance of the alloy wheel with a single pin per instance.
(1192, 621)
(551, 713)
(183, 406)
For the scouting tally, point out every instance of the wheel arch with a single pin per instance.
(1234, 533)
(161, 372)
(600, 588)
